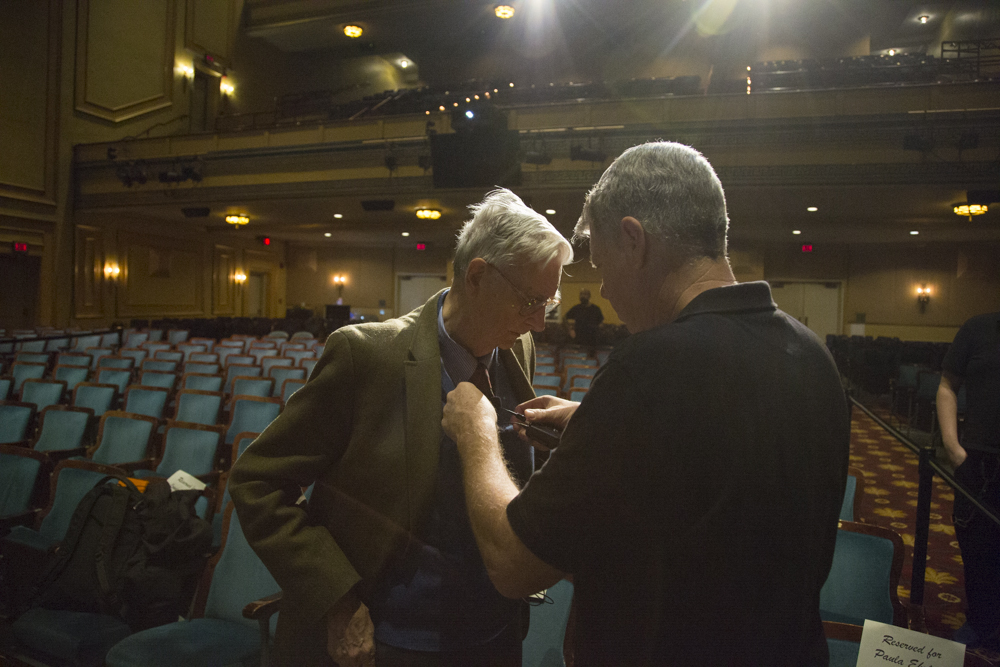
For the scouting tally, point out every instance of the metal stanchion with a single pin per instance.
(921, 531)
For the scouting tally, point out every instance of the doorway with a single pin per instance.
(257, 294)
(20, 276)
(816, 305)
(199, 101)
(413, 290)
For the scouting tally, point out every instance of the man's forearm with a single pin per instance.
(513, 569)
(947, 415)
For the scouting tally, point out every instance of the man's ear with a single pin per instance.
(633, 239)
(474, 276)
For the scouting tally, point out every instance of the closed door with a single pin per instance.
(816, 305)
(20, 276)
(256, 294)
(415, 290)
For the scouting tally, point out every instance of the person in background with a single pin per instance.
(973, 361)
(695, 491)
(586, 318)
(386, 529)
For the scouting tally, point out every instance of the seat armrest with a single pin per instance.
(26, 519)
(19, 443)
(131, 466)
(262, 609)
(915, 618)
(57, 455)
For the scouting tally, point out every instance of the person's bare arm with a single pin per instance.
(470, 420)
(947, 415)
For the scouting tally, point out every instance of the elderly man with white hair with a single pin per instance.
(386, 524)
(695, 491)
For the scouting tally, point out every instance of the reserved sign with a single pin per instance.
(883, 644)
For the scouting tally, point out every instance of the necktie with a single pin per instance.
(481, 379)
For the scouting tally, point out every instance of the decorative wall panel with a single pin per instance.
(159, 277)
(211, 27)
(124, 57)
(223, 287)
(89, 283)
(30, 33)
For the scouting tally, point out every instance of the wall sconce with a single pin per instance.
(225, 87)
(339, 281)
(111, 271)
(428, 213)
(240, 277)
(186, 72)
(923, 297)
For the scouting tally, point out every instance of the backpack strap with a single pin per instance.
(73, 532)
(122, 502)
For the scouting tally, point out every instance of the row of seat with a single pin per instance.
(566, 372)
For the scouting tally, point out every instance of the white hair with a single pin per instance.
(507, 233)
(671, 189)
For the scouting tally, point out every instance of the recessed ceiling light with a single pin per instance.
(504, 11)
(406, 233)
(353, 31)
(812, 209)
(796, 232)
(550, 211)
(924, 19)
(914, 233)
(338, 216)
(404, 63)
(328, 235)
(892, 52)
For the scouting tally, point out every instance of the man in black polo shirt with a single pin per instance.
(586, 318)
(973, 360)
(694, 494)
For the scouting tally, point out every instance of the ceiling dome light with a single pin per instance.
(796, 232)
(504, 11)
(428, 213)
(238, 220)
(338, 216)
(405, 233)
(914, 233)
(404, 63)
(892, 52)
(970, 210)
(328, 235)
(812, 209)
(550, 211)
(924, 19)
(353, 31)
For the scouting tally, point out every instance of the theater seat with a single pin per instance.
(218, 633)
(543, 647)
(867, 563)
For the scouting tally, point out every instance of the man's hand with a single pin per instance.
(469, 416)
(547, 411)
(350, 635)
(956, 454)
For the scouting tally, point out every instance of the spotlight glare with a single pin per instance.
(353, 31)
(504, 11)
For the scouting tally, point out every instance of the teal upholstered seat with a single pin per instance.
(847, 507)
(289, 387)
(160, 365)
(221, 636)
(189, 449)
(158, 379)
(71, 375)
(199, 407)
(201, 367)
(541, 380)
(98, 397)
(546, 391)
(42, 393)
(543, 647)
(149, 401)
(5, 384)
(123, 438)
(21, 371)
(867, 562)
(243, 441)
(267, 363)
(19, 469)
(73, 638)
(280, 374)
(253, 386)
(62, 428)
(202, 382)
(250, 413)
(14, 420)
(118, 377)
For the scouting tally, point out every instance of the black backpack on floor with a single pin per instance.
(130, 554)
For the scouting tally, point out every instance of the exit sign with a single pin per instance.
(19, 247)
(807, 247)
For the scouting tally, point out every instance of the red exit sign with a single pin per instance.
(19, 247)
(807, 247)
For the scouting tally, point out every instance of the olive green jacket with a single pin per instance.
(366, 429)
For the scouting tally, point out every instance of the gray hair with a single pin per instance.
(671, 189)
(506, 233)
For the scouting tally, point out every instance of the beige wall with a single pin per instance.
(370, 272)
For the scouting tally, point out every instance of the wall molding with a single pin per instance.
(190, 33)
(84, 100)
(47, 195)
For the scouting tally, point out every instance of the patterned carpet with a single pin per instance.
(890, 500)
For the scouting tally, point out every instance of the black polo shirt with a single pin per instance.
(974, 357)
(696, 491)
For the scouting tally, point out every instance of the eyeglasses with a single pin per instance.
(530, 306)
